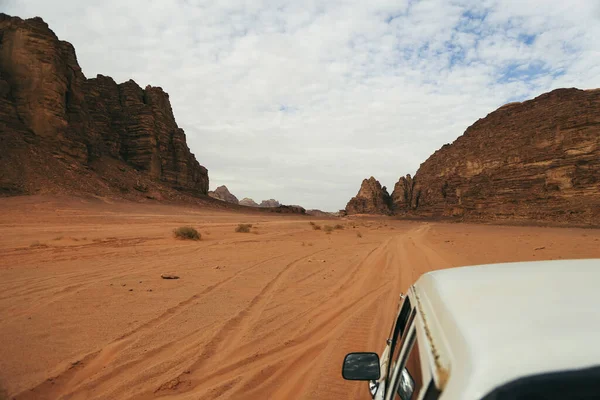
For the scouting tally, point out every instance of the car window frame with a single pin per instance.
(395, 340)
(413, 337)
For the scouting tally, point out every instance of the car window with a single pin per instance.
(402, 323)
(410, 381)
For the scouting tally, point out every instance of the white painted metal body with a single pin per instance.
(482, 327)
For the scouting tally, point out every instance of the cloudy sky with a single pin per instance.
(301, 100)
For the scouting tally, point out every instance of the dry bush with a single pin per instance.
(338, 226)
(316, 227)
(186, 232)
(243, 228)
(37, 243)
(358, 234)
(328, 229)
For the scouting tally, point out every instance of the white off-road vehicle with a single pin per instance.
(515, 331)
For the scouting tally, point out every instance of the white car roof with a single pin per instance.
(491, 324)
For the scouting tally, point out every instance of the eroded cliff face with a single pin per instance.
(48, 108)
(404, 196)
(533, 161)
(372, 198)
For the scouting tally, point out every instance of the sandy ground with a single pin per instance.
(84, 313)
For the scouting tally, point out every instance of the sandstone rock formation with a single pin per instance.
(404, 197)
(320, 213)
(533, 161)
(248, 202)
(269, 203)
(283, 209)
(55, 123)
(223, 194)
(372, 198)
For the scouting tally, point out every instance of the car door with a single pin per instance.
(411, 377)
(398, 333)
(391, 354)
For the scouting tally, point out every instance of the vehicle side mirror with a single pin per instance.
(406, 386)
(361, 367)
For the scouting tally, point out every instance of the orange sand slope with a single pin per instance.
(84, 313)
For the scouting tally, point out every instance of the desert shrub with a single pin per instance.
(328, 228)
(243, 228)
(316, 227)
(186, 232)
(358, 234)
(312, 223)
(338, 226)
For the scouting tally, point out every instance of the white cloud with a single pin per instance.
(300, 101)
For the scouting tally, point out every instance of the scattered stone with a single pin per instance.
(131, 290)
(169, 276)
(540, 248)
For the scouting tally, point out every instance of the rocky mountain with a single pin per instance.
(61, 131)
(223, 194)
(372, 198)
(403, 198)
(269, 203)
(538, 160)
(248, 202)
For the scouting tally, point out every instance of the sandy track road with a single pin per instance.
(269, 314)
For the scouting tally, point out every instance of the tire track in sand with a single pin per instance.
(93, 363)
(236, 323)
(330, 318)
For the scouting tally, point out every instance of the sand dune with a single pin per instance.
(84, 313)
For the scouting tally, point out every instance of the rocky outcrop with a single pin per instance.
(223, 194)
(372, 198)
(320, 213)
(283, 209)
(404, 196)
(269, 203)
(533, 161)
(248, 202)
(47, 103)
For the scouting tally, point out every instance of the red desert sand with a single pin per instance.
(269, 314)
